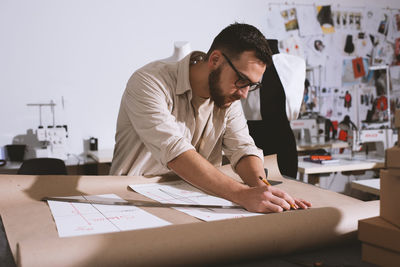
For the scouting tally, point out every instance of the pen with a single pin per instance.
(267, 183)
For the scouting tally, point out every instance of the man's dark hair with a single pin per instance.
(238, 38)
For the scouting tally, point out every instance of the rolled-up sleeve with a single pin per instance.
(148, 106)
(237, 142)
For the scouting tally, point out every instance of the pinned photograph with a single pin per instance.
(358, 67)
(345, 20)
(383, 24)
(290, 19)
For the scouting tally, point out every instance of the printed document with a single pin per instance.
(75, 219)
(180, 192)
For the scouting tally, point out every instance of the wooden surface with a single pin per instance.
(368, 185)
(33, 236)
(102, 156)
(305, 146)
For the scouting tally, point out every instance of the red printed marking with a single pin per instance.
(80, 214)
(157, 196)
(121, 217)
(83, 228)
(99, 219)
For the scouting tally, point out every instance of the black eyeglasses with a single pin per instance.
(243, 81)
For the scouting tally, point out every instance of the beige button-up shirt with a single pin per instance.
(156, 123)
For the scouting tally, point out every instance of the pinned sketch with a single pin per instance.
(292, 46)
(383, 54)
(180, 192)
(394, 26)
(348, 19)
(75, 219)
(372, 19)
(377, 21)
(274, 27)
(324, 17)
(363, 45)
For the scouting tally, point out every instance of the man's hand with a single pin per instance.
(266, 199)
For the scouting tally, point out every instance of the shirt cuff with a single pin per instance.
(172, 148)
(253, 151)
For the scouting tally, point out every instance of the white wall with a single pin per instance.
(84, 51)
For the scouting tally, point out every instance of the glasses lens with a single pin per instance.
(241, 83)
(254, 87)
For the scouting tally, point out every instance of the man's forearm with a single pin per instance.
(193, 168)
(249, 169)
(196, 170)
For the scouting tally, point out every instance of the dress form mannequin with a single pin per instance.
(272, 132)
(181, 49)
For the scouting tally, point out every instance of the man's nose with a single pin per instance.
(242, 92)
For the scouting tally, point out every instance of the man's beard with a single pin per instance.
(216, 92)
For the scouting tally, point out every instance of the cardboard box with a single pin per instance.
(390, 197)
(394, 171)
(379, 256)
(392, 157)
(378, 232)
(397, 118)
(398, 138)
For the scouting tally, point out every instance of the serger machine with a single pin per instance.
(311, 130)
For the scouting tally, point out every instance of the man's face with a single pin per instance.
(224, 80)
(217, 94)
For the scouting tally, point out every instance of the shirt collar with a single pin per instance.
(183, 83)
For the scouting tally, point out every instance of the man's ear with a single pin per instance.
(215, 59)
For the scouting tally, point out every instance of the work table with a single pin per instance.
(334, 218)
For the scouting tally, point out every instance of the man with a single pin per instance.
(180, 117)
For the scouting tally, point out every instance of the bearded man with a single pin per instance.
(182, 116)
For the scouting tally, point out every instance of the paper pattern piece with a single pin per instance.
(180, 192)
(75, 219)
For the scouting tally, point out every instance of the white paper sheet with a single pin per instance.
(394, 26)
(75, 219)
(308, 23)
(395, 77)
(274, 27)
(333, 72)
(180, 192)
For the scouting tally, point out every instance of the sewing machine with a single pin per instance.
(311, 130)
(381, 138)
(53, 143)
